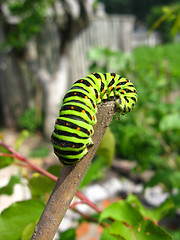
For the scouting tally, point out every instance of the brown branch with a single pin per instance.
(70, 179)
(32, 166)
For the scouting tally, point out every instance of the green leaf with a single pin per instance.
(170, 177)
(15, 218)
(22, 136)
(106, 148)
(175, 234)
(39, 152)
(154, 214)
(148, 230)
(107, 236)
(5, 161)
(170, 122)
(121, 211)
(93, 173)
(122, 230)
(55, 169)
(8, 189)
(28, 231)
(39, 184)
(70, 234)
(144, 230)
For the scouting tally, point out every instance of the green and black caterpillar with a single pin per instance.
(74, 126)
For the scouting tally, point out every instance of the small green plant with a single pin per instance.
(40, 152)
(29, 121)
(30, 15)
(168, 21)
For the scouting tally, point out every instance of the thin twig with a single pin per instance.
(90, 218)
(23, 159)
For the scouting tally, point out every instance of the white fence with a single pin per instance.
(115, 32)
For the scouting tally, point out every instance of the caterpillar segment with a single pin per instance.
(71, 137)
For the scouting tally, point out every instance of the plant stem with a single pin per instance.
(23, 159)
(44, 172)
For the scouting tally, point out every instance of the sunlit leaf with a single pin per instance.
(15, 218)
(154, 214)
(121, 211)
(107, 236)
(28, 231)
(148, 230)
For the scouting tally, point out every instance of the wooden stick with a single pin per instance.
(70, 179)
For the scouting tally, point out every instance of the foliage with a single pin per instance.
(40, 152)
(28, 120)
(8, 189)
(132, 221)
(17, 217)
(150, 133)
(169, 15)
(5, 160)
(138, 8)
(106, 149)
(30, 16)
(164, 28)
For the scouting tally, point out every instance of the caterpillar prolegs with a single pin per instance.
(74, 126)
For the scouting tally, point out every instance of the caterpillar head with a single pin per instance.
(126, 101)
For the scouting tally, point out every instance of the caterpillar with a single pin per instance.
(74, 126)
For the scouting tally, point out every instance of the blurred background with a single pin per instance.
(47, 45)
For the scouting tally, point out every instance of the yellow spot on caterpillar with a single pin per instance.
(75, 93)
(82, 80)
(92, 117)
(90, 85)
(85, 146)
(98, 96)
(118, 86)
(73, 146)
(103, 91)
(111, 87)
(90, 132)
(83, 111)
(63, 144)
(122, 91)
(67, 124)
(78, 128)
(99, 79)
(72, 107)
(95, 106)
(86, 97)
(112, 76)
(126, 80)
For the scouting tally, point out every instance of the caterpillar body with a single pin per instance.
(74, 126)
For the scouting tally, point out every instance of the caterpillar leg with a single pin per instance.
(90, 143)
